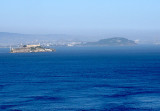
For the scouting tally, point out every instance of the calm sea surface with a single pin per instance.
(81, 79)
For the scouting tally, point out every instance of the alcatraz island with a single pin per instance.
(31, 48)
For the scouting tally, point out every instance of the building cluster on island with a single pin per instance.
(31, 48)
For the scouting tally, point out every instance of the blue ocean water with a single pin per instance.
(81, 79)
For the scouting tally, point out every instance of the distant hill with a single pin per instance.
(7, 38)
(116, 41)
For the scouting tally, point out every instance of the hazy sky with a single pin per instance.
(80, 16)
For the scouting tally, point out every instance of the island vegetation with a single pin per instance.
(116, 41)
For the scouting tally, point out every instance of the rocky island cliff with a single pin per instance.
(31, 48)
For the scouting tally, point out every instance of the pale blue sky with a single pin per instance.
(79, 16)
